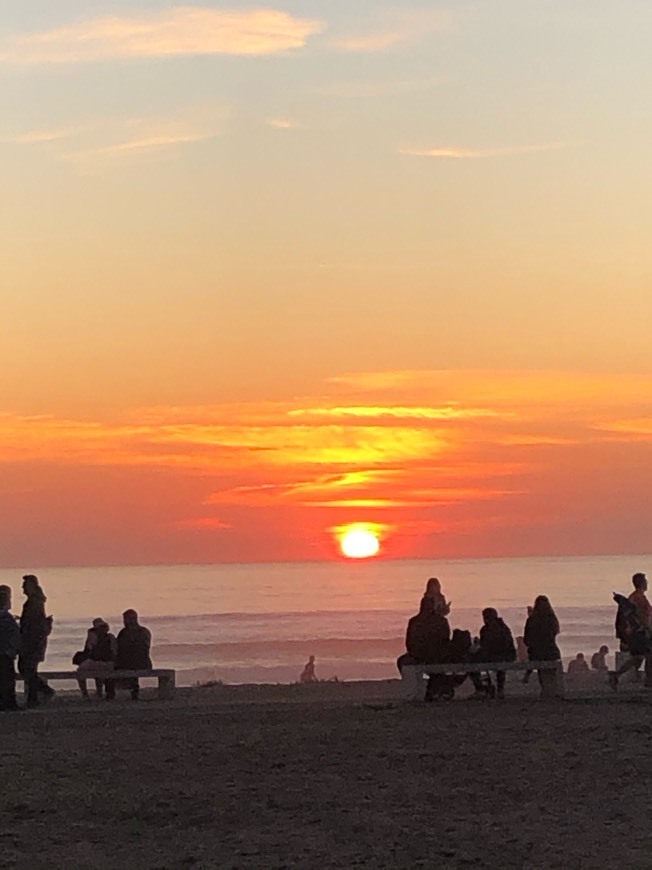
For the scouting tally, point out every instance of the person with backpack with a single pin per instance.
(35, 628)
(633, 630)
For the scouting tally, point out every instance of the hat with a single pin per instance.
(100, 623)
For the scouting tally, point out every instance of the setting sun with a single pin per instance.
(359, 542)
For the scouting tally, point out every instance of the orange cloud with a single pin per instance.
(177, 31)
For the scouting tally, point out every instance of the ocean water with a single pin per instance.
(260, 622)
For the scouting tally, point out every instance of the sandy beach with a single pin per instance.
(331, 775)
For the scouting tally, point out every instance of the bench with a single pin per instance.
(413, 675)
(166, 678)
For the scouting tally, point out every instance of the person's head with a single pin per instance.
(130, 618)
(433, 587)
(542, 604)
(30, 584)
(580, 657)
(311, 660)
(640, 581)
(489, 615)
(5, 597)
(100, 627)
(604, 650)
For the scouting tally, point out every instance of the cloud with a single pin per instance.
(178, 31)
(41, 137)
(283, 123)
(399, 28)
(475, 153)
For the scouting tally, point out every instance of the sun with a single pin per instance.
(358, 542)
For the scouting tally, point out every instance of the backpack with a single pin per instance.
(629, 629)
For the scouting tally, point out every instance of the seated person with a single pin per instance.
(578, 665)
(308, 673)
(98, 659)
(599, 659)
(496, 645)
(426, 640)
(134, 644)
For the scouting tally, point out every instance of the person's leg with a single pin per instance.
(500, 681)
(109, 688)
(83, 688)
(7, 684)
(41, 685)
(99, 686)
(135, 689)
(632, 662)
(648, 671)
(31, 685)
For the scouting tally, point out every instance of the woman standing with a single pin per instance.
(540, 637)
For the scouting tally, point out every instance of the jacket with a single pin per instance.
(496, 642)
(9, 635)
(427, 637)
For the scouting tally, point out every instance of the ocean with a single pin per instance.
(258, 623)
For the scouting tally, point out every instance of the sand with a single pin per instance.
(332, 775)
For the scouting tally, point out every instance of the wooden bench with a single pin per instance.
(166, 678)
(413, 675)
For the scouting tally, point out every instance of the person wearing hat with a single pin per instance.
(98, 659)
(35, 628)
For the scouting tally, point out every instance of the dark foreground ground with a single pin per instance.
(336, 777)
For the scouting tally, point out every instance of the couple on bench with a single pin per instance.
(429, 641)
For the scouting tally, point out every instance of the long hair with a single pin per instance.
(543, 611)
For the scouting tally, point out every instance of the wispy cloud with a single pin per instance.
(283, 123)
(455, 153)
(178, 31)
(397, 28)
(41, 137)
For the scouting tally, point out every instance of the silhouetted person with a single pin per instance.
(308, 673)
(101, 651)
(434, 593)
(35, 627)
(496, 645)
(599, 659)
(134, 644)
(9, 649)
(578, 665)
(633, 628)
(540, 636)
(426, 640)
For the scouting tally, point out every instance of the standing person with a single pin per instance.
(101, 651)
(634, 632)
(434, 593)
(35, 627)
(9, 649)
(540, 636)
(134, 645)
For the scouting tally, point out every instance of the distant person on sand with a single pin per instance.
(134, 645)
(540, 636)
(426, 641)
(308, 673)
(434, 593)
(99, 655)
(599, 659)
(633, 629)
(496, 645)
(578, 665)
(9, 649)
(35, 627)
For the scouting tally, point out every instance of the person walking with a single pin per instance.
(9, 649)
(634, 630)
(35, 627)
(134, 645)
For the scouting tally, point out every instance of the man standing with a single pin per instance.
(134, 644)
(35, 627)
(640, 649)
(9, 649)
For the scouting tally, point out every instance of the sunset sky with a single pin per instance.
(271, 270)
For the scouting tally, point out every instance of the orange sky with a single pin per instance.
(270, 270)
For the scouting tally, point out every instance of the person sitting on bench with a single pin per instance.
(426, 641)
(496, 645)
(134, 644)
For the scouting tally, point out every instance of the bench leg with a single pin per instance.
(413, 679)
(166, 686)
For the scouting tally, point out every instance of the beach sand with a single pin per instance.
(330, 775)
